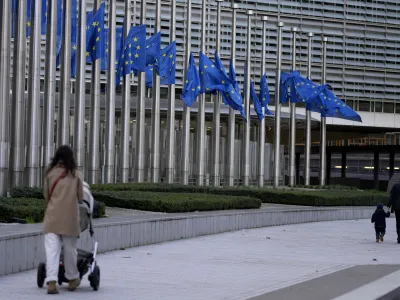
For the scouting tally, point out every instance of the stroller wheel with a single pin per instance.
(41, 274)
(94, 278)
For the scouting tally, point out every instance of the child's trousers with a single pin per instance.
(380, 231)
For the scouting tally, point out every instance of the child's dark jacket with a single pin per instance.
(379, 218)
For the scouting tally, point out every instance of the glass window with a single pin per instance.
(378, 106)
(350, 103)
(364, 106)
(397, 108)
(388, 108)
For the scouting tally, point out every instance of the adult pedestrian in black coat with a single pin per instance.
(394, 204)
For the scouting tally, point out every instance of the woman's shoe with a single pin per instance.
(52, 288)
(73, 284)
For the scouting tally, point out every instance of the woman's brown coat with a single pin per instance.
(62, 212)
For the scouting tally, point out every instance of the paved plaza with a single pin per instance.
(326, 260)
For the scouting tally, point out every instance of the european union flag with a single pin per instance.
(28, 16)
(133, 54)
(211, 77)
(264, 94)
(119, 45)
(232, 76)
(256, 102)
(290, 84)
(153, 48)
(95, 48)
(192, 85)
(165, 64)
(324, 101)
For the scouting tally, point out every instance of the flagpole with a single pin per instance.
(322, 148)
(5, 54)
(307, 156)
(49, 84)
(186, 109)
(261, 138)
(155, 111)
(126, 108)
(171, 109)
(230, 168)
(33, 147)
(140, 113)
(65, 77)
(18, 97)
(94, 119)
(277, 133)
(246, 125)
(292, 136)
(80, 93)
(201, 108)
(216, 130)
(110, 100)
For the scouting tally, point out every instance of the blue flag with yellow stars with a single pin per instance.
(321, 99)
(256, 101)
(153, 48)
(133, 55)
(264, 94)
(165, 64)
(95, 47)
(192, 86)
(289, 86)
(119, 44)
(213, 78)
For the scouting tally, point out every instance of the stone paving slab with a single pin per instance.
(231, 266)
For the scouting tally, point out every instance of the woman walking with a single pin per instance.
(63, 188)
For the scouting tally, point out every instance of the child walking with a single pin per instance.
(379, 218)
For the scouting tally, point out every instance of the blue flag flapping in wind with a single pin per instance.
(165, 64)
(133, 54)
(232, 76)
(213, 79)
(192, 86)
(29, 4)
(95, 46)
(324, 101)
(256, 102)
(119, 45)
(153, 48)
(264, 94)
(289, 86)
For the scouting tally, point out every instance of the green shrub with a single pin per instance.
(28, 209)
(27, 192)
(335, 187)
(266, 195)
(37, 193)
(174, 202)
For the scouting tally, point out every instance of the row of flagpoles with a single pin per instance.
(73, 42)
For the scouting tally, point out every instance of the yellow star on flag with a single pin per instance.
(187, 81)
(135, 39)
(94, 47)
(138, 47)
(126, 63)
(193, 89)
(98, 29)
(198, 87)
(94, 24)
(136, 55)
(171, 56)
(223, 81)
(207, 89)
(98, 39)
(87, 53)
(205, 67)
(28, 23)
(165, 54)
(75, 47)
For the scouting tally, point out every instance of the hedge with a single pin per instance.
(266, 195)
(174, 202)
(37, 193)
(27, 209)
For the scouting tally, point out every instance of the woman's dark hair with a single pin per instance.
(64, 156)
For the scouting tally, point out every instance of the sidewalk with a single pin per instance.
(237, 265)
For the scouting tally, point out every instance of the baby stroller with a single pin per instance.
(86, 260)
